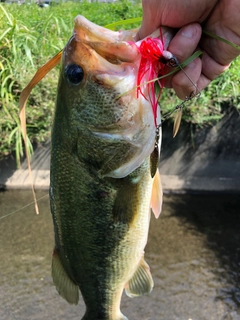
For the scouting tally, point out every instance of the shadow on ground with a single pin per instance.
(212, 152)
(217, 218)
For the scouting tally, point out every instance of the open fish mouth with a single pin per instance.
(114, 134)
(114, 46)
(108, 58)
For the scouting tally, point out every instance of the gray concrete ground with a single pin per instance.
(206, 160)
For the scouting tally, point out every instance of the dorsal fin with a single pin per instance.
(22, 105)
(157, 195)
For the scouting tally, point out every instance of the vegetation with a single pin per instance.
(210, 106)
(30, 36)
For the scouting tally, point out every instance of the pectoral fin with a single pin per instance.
(64, 285)
(157, 195)
(141, 283)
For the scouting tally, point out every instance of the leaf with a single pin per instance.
(4, 33)
(177, 122)
(122, 22)
(39, 75)
(28, 54)
(221, 39)
(7, 15)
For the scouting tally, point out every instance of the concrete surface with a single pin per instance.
(206, 160)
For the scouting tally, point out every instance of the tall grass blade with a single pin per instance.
(123, 23)
(8, 16)
(5, 33)
(221, 39)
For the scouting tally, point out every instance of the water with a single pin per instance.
(193, 251)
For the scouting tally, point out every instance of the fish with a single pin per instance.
(104, 176)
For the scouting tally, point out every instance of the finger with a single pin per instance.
(185, 83)
(152, 17)
(182, 46)
(210, 70)
(224, 22)
(185, 41)
(173, 14)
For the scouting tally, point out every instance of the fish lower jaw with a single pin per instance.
(142, 152)
(128, 167)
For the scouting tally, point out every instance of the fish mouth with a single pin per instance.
(114, 46)
(113, 133)
(109, 58)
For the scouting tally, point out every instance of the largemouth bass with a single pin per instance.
(103, 180)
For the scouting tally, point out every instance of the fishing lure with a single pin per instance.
(154, 59)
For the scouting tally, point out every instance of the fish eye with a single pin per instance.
(74, 74)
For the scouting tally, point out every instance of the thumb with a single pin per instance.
(151, 20)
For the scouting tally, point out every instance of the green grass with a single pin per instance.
(30, 36)
(209, 108)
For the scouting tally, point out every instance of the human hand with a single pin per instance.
(218, 17)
